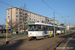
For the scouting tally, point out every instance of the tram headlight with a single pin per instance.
(29, 36)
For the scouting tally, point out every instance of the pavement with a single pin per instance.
(15, 38)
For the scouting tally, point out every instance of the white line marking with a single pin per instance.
(70, 39)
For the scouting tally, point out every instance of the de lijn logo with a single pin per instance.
(45, 32)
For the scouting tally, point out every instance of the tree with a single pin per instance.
(13, 25)
(24, 18)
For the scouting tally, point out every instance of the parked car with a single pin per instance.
(22, 32)
(14, 32)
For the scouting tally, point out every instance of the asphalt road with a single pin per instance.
(68, 44)
(43, 44)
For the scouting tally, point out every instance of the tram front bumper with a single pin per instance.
(29, 36)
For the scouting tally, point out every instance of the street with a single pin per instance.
(68, 44)
(43, 44)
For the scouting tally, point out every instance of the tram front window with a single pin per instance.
(34, 27)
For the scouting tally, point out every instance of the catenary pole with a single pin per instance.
(65, 26)
(54, 22)
(6, 30)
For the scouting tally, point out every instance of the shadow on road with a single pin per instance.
(70, 44)
(5, 37)
(13, 46)
(67, 36)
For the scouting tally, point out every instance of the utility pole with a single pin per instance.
(65, 26)
(54, 22)
(7, 42)
(69, 28)
(6, 30)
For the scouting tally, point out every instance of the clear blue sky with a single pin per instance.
(63, 7)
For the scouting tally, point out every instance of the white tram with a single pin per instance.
(60, 29)
(40, 30)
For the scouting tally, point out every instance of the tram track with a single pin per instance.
(50, 46)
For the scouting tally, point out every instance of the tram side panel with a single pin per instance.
(36, 34)
(58, 31)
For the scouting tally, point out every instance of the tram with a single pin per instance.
(40, 30)
(60, 29)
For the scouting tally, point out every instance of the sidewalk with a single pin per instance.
(13, 38)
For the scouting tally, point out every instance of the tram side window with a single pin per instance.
(47, 28)
(39, 27)
(51, 28)
(44, 28)
(59, 29)
(56, 28)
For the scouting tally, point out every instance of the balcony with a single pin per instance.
(20, 18)
(25, 19)
(26, 14)
(20, 21)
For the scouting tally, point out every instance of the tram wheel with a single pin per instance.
(29, 39)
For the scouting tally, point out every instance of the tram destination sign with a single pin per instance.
(31, 23)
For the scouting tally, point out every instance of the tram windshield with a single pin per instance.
(34, 27)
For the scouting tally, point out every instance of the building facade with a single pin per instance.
(69, 26)
(23, 17)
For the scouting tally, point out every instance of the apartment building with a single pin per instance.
(23, 17)
(69, 26)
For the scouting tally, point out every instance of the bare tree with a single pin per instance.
(24, 18)
(14, 25)
(24, 7)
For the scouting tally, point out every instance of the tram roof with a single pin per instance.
(37, 23)
(61, 26)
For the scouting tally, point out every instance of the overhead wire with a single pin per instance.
(6, 3)
(53, 9)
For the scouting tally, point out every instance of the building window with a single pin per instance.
(16, 22)
(16, 12)
(16, 15)
(8, 13)
(8, 16)
(16, 9)
(16, 19)
(20, 10)
(30, 18)
(34, 19)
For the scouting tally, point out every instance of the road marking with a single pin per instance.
(70, 38)
(68, 41)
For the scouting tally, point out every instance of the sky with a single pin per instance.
(63, 7)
